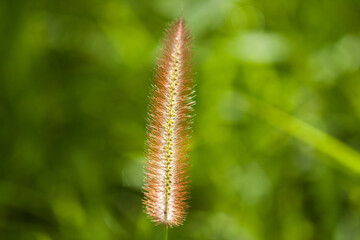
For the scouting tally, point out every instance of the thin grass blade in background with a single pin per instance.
(342, 153)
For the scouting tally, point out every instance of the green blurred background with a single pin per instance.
(276, 138)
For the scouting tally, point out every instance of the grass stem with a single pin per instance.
(166, 232)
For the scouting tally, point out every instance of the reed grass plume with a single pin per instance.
(168, 130)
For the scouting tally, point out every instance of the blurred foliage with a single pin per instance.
(276, 137)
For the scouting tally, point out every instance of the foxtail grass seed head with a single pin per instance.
(168, 130)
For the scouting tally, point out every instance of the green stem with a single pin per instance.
(166, 230)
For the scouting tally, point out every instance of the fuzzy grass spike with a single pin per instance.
(168, 130)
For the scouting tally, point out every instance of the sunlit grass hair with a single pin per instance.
(168, 130)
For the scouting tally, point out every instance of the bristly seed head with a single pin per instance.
(168, 130)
